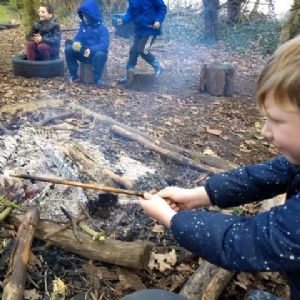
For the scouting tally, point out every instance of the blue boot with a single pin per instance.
(158, 69)
(129, 78)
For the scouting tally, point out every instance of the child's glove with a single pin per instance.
(77, 46)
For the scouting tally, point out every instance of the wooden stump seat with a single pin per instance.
(86, 74)
(217, 79)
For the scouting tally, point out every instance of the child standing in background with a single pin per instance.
(91, 43)
(44, 38)
(269, 241)
(148, 16)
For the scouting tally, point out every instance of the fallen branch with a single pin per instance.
(31, 106)
(128, 254)
(55, 117)
(16, 275)
(204, 159)
(11, 204)
(164, 152)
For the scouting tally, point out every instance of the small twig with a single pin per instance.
(73, 221)
(86, 213)
(5, 213)
(95, 235)
(92, 186)
(11, 204)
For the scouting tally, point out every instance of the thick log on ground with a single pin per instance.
(15, 280)
(216, 162)
(162, 151)
(217, 79)
(128, 254)
(207, 283)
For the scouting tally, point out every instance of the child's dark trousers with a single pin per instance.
(98, 62)
(40, 51)
(138, 49)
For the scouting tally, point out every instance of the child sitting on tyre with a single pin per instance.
(45, 35)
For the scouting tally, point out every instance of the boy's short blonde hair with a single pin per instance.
(281, 75)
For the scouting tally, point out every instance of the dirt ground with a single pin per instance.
(169, 108)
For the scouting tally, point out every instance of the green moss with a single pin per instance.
(7, 14)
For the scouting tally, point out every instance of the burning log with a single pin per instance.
(128, 254)
(16, 275)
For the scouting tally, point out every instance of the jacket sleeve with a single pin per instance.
(33, 31)
(130, 14)
(161, 11)
(250, 183)
(269, 241)
(79, 35)
(103, 41)
(53, 37)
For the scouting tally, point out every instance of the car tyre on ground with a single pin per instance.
(37, 68)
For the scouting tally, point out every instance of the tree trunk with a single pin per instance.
(254, 9)
(234, 11)
(210, 20)
(28, 13)
(291, 25)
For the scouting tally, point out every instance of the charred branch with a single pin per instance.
(16, 275)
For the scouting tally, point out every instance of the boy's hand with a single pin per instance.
(181, 198)
(37, 38)
(157, 208)
(156, 25)
(77, 46)
(87, 53)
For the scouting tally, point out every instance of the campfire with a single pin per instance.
(83, 186)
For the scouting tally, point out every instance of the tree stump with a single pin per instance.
(217, 79)
(86, 73)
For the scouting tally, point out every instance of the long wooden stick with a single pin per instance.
(92, 186)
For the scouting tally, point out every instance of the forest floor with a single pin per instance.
(169, 108)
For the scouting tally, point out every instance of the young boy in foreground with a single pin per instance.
(269, 241)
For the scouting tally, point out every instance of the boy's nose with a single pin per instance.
(266, 131)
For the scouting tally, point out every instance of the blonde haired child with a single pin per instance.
(269, 241)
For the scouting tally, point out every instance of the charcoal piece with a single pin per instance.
(107, 200)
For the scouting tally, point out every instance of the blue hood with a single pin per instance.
(91, 9)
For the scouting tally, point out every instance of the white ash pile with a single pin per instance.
(54, 153)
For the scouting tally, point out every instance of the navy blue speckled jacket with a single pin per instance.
(94, 35)
(269, 241)
(144, 13)
(50, 32)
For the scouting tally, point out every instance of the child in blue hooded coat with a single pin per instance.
(148, 16)
(268, 241)
(91, 43)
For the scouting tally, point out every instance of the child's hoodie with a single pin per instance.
(92, 34)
